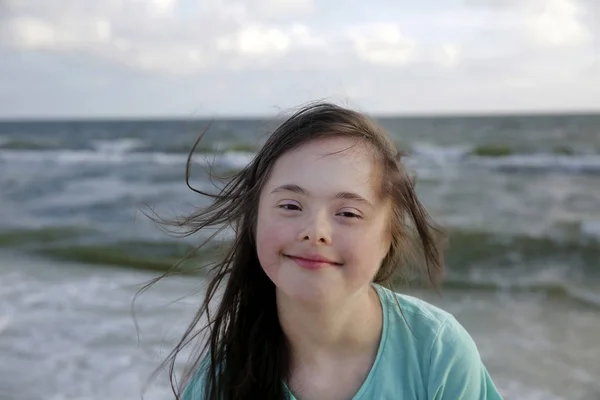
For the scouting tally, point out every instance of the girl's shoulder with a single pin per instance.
(412, 311)
(424, 325)
(429, 343)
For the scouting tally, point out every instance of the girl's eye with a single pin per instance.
(349, 214)
(289, 206)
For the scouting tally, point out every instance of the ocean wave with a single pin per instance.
(506, 159)
(440, 154)
(85, 194)
(229, 159)
(473, 258)
(46, 236)
(470, 249)
(125, 145)
(119, 146)
(466, 250)
(591, 228)
(208, 147)
(39, 144)
(581, 163)
(237, 155)
(5, 322)
(64, 157)
(42, 144)
(147, 255)
(76, 243)
(163, 256)
(588, 295)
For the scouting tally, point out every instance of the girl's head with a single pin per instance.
(324, 209)
(333, 188)
(323, 227)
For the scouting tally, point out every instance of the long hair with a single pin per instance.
(245, 353)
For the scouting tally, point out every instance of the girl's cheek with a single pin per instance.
(272, 234)
(276, 234)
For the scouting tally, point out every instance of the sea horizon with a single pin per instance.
(522, 113)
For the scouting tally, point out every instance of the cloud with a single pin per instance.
(547, 22)
(382, 43)
(559, 23)
(255, 41)
(167, 36)
(265, 52)
(159, 36)
(448, 55)
(33, 33)
(147, 35)
(279, 8)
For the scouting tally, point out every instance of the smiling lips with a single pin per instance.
(313, 262)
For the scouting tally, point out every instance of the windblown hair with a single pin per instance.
(246, 352)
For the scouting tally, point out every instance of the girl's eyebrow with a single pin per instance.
(341, 195)
(290, 188)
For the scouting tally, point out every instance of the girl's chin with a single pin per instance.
(307, 292)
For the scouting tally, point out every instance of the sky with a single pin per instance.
(185, 58)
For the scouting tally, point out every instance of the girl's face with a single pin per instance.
(322, 230)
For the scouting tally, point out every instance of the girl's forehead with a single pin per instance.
(330, 164)
(331, 150)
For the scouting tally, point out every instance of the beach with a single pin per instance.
(520, 197)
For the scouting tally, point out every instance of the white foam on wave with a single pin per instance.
(446, 155)
(63, 157)
(235, 159)
(584, 163)
(591, 228)
(96, 191)
(231, 159)
(440, 154)
(5, 321)
(586, 295)
(424, 155)
(119, 146)
(174, 159)
(550, 277)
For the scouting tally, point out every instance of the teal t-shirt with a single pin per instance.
(424, 354)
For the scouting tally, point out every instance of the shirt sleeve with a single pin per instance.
(456, 369)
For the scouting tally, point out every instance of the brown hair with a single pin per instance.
(245, 351)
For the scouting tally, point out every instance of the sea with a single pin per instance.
(518, 194)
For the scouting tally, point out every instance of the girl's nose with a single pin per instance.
(317, 230)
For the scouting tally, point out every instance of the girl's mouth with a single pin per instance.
(313, 262)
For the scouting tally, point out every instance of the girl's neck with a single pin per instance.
(320, 332)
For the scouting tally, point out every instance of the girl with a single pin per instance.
(324, 218)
